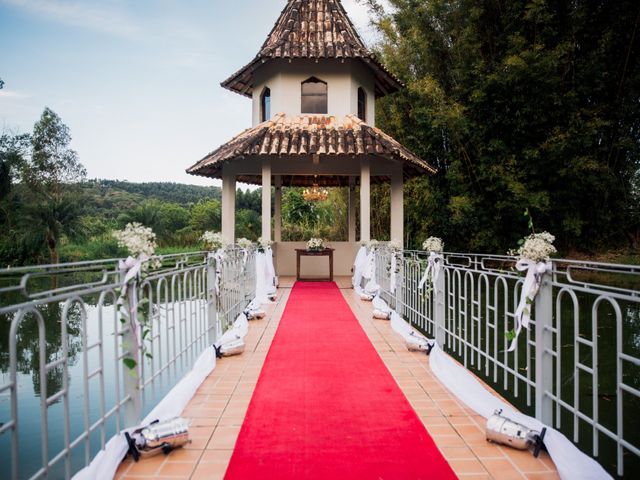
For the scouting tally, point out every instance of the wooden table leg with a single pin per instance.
(298, 267)
(331, 266)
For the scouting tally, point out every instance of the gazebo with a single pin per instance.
(316, 73)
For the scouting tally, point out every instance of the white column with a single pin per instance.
(352, 209)
(228, 205)
(365, 200)
(397, 206)
(266, 199)
(277, 229)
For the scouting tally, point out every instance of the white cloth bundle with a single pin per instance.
(414, 340)
(232, 342)
(381, 315)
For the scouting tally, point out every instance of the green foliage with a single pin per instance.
(520, 104)
(302, 220)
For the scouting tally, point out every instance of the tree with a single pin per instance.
(52, 172)
(520, 104)
(206, 216)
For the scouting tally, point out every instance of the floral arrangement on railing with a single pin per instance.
(140, 242)
(316, 245)
(212, 241)
(395, 246)
(533, 257)
(244, 243)
(369, 244)
(264, 245)
(433, 245)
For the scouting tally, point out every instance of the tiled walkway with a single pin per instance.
(219, 407)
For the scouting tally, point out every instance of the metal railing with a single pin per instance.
(578, 366)
(64, 386)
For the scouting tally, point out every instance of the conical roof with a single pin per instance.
(313, 29)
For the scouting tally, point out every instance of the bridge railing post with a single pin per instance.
(543, 349)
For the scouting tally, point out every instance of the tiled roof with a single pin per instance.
(316, 29)
(309, 135)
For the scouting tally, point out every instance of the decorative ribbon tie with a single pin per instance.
(370, 268)
(532, 282)
(394, 266)
(131, 268)
(218, 256)
(433, 271)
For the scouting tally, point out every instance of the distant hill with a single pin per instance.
(123, 192)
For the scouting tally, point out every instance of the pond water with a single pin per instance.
(29, 382)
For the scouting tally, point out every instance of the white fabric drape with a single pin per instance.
(432, 272)
(571, 463)
(393, 274)
(369, 273)
(359, 266)
(105, 464)
(131, 269)
(530, 289)
(265, 276)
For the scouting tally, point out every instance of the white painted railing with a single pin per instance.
(64, 387)
(577, 368)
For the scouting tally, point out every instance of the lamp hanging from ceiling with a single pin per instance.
(315, 193)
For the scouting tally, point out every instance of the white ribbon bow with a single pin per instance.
(218, 256)
(394, 265)
(131, 267)
(532, 282)
(433, 271)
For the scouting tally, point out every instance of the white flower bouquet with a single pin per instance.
(244, 243)
(140, 241)
(212, 241)
(433, 245)
(537, 247)
(263, 244)
(315, 245)
(369, 243)
(394, 246)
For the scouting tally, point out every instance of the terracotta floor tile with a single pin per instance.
(224, 437)
(184, 455)
(501, 469)
(526, 462)
(177, 470)
(457, 453)
(147, 466)
(461, 466)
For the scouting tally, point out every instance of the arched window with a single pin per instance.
(362, 104)
(314, 96)
(265, 105)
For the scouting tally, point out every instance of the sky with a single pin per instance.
(136, 81)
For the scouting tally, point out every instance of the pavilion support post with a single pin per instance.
(352, 209)
(277, 228)
(365, 199)
(397, 206)
(266, 199)
(228, 205)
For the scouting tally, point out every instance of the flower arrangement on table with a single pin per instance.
(212, 241)
(316, 245)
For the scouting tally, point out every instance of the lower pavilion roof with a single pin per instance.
(306, 136)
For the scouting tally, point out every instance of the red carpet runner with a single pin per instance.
(326, 407)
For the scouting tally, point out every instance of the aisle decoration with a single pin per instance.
(533, 257)
(434, 246)
(395, 248)
(266, 280)
(214, 243)
(140, 242)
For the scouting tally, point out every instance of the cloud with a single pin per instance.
(12, 94)
(85, 14)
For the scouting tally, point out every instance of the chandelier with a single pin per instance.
(315, 193)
